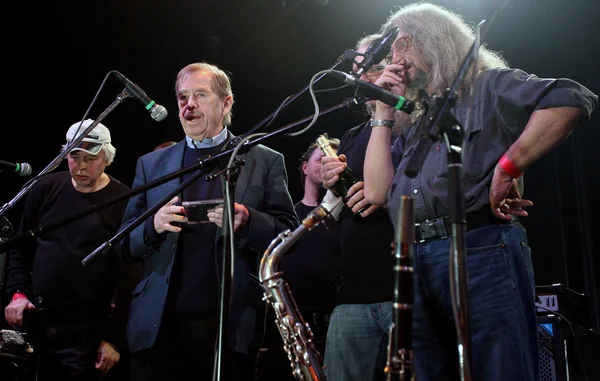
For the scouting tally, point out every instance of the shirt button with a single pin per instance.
(415, 191)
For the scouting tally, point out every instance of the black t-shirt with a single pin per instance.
(366, 242)
(313, 266)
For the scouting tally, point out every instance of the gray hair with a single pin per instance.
(221, 83)
(109, 152)
(367, 40)
(441, 40)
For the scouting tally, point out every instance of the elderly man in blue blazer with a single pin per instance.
(174, 314)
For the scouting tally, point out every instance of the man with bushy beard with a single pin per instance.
(516, 119)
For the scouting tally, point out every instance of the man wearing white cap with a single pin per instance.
(91, 156)
(75, 337)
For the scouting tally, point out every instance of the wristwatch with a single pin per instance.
(382, 122)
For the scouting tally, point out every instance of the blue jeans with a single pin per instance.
(357, 342)
(501, 298)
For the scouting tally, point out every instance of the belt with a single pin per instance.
(441, 228)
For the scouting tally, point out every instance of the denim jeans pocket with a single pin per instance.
(489, 264)
(526, 250)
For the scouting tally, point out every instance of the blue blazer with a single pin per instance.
(263, 188)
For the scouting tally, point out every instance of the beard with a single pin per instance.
(419, 80)
(415, 91)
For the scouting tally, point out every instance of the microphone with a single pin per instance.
(22, 169)
(372, 91)
(377, 51)
(157, 112)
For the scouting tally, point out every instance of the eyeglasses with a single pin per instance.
(401, 45)
(376, 70)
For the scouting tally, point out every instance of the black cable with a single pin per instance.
(276, 114)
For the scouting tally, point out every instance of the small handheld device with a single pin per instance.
(197, 211)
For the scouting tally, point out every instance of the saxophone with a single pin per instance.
(297, 336)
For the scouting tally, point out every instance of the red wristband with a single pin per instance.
(509, 167)
(19, 295)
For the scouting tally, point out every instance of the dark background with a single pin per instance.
(272, 48)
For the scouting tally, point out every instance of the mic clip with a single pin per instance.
(350, 56)
(354, 101)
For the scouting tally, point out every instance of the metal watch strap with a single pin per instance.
(382, 122)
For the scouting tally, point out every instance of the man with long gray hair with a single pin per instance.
(517, 119)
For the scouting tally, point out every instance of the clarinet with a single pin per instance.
(399, 365)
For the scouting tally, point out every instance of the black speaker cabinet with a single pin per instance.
(553, 346)
(565, 354)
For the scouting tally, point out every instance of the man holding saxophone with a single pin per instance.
(312, 268)
(358, 331)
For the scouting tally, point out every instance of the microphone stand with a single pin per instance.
(444, 127)
(56, 162)
(222, 365)
(58, 159)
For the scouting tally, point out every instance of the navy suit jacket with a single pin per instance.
(262, 188)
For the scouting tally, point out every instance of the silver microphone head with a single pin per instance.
(158, 112)
(25, 169)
